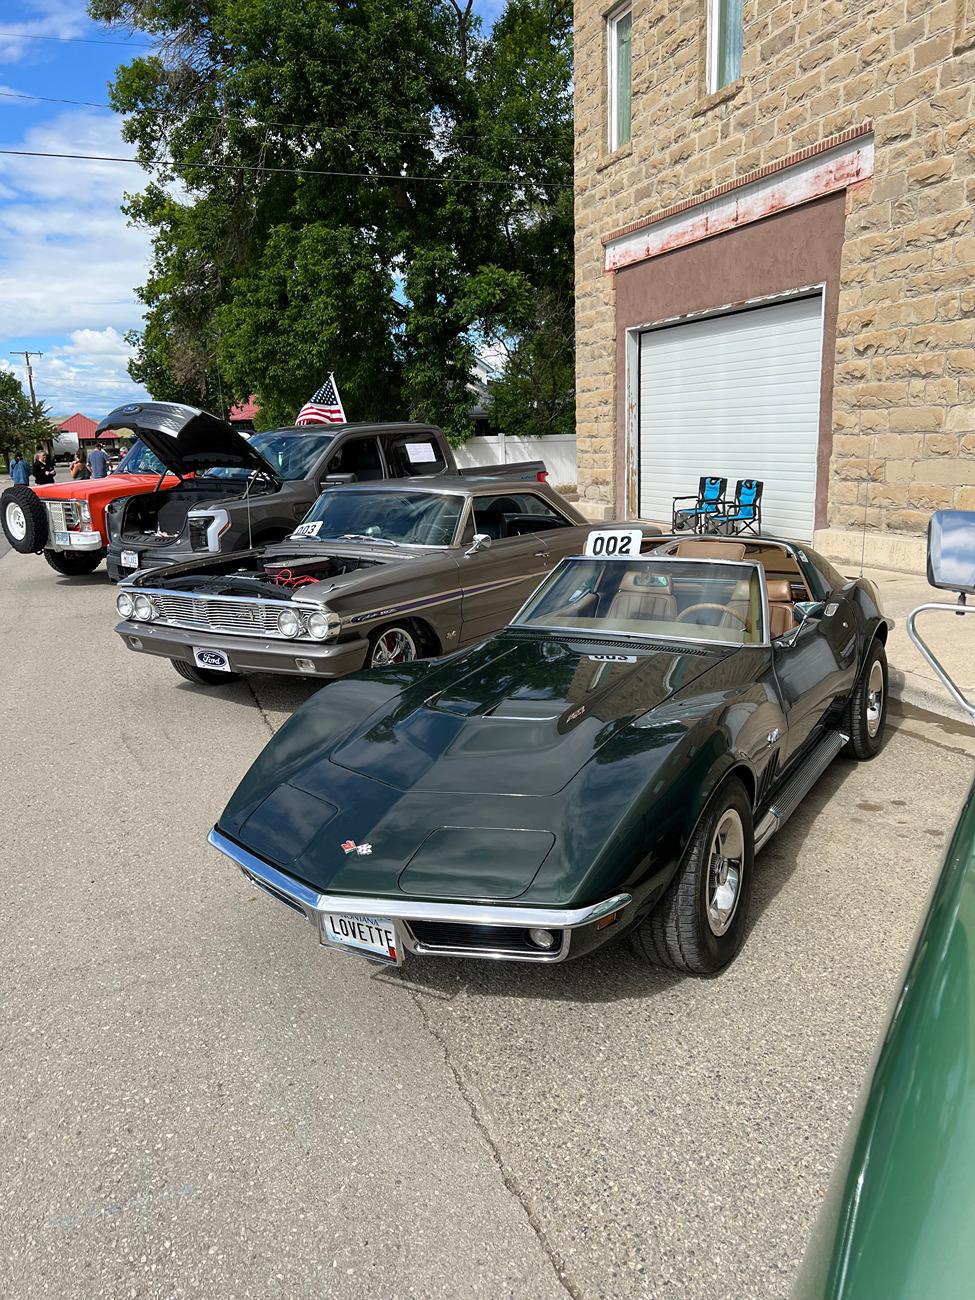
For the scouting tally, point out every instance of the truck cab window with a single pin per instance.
(359, 456)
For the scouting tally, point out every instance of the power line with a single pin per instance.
(251, 167)
(76, 40)
(241, 117)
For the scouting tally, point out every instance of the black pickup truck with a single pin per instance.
(237, 492)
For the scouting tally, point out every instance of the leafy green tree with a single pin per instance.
(370, 187)
(15, 416)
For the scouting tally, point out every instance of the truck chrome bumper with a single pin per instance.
(84, 540)
(314, 906)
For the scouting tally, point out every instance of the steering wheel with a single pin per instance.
(683, 616)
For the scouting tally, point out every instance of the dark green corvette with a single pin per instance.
(608, 763)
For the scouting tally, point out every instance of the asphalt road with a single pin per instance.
(195, 1101)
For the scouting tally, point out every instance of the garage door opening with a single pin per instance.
(736, 395)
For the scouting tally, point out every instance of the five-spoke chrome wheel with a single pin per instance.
(16, 521)
(393, 646)
(725, 871)
(875, 697)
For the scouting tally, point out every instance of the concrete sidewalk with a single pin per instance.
(913, 681)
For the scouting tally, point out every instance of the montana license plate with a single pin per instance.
(215, 660)
(373, 935)
(130, 559)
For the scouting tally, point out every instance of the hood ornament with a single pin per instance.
(350, 846)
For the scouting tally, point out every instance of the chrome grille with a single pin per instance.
(220, 614)
(63, 515)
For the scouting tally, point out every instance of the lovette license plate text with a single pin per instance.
(370, 934)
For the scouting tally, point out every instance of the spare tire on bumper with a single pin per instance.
(24, 519)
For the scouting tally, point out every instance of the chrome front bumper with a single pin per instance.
(247, 654)
(84, 539)
(314, 906)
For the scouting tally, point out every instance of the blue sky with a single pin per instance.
(69, 262)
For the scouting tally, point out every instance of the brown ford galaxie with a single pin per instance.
(376, 574)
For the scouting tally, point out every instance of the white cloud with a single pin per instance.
(70, 262)
(51, 18)
(68, 258)
(86, 374)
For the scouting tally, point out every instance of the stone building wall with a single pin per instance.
(903, 405)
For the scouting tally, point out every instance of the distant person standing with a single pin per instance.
(97, 462)
(20, 470)
(79, 466)
(40, 468)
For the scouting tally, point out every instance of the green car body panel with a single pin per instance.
(897, 1224)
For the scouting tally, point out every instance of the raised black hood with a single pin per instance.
(186, 439)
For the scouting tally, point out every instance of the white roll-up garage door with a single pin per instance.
(737, 396)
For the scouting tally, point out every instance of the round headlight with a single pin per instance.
(123, 603)
(322, 624)
(143, 608)
(289, 624)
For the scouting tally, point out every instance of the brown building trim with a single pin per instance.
(766, 259)
(782, 164)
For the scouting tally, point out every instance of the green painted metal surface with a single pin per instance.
(898, 1223)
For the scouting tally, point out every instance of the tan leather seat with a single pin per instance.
(707, 548)
(636, 600)
(782, 617)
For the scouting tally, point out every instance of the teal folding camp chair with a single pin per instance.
(709, 499)
(745, 516)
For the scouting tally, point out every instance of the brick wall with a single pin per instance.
(903, 414)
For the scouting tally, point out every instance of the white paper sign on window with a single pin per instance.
(308, 530)
(421, 453)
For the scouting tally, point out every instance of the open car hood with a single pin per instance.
(186, 439)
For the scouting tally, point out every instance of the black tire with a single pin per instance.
(405, 636)
(24, 519)
(866, 714)
(74, 565)
(678, 934)
(203, 676)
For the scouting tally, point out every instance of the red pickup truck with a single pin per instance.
(66, 521)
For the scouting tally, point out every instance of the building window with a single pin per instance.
(724, 43)
(619, 31)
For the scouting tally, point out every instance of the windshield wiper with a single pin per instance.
(364, 537)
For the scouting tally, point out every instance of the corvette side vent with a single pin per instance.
(649, 647)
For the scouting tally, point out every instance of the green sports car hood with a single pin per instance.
(455, 773)
(521, 715)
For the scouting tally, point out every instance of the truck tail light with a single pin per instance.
(542, 476)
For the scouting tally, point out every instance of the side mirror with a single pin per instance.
(480, 543)
(340, 478)
(951, 551)
(804, 609)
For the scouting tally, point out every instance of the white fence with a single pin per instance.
(558, 452)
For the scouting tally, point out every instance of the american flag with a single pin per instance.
(325, 407)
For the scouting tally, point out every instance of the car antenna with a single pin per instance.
(247, 502)
(866, 498)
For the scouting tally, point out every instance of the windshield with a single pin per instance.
(407, 518)
(292, 455)
(692, 599)
(140, 460)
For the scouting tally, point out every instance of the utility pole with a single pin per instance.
(30, 375)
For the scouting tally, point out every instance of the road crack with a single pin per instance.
(260, 707)
(508, 1178)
